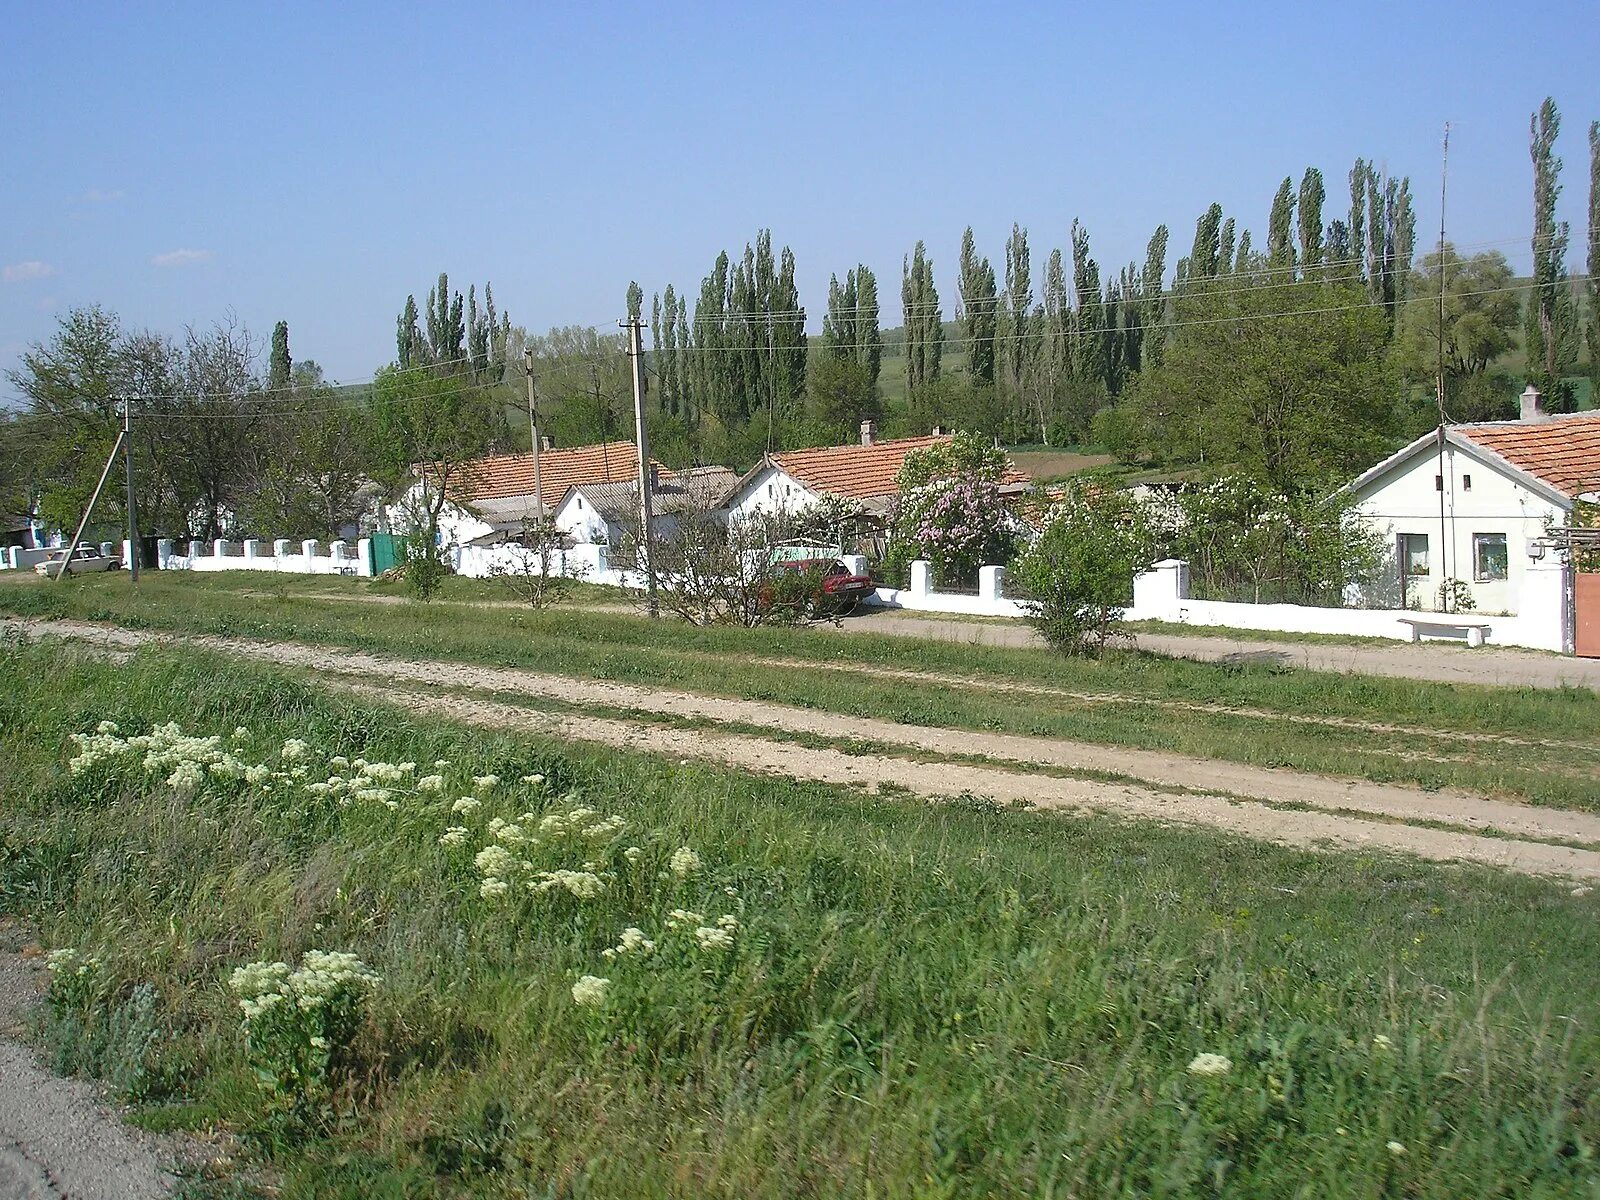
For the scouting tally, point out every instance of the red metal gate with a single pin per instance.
(1586, 613)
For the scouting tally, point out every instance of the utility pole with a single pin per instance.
(635, 328)
(1447, 593)
(533, 430)
(133, 512)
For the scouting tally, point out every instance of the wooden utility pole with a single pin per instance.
(533, 430)
(635, 328)
(105, 473)
(133, 511)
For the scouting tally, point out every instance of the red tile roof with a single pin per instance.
(862, 472)
(508, 475)
(1562, 451)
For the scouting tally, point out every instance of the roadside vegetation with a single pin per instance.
(1537, 744)
(697, 982)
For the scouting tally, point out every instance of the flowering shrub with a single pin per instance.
(299, 1023)
(950, 512)
(73, 979)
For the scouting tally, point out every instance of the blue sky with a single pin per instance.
(317, 162)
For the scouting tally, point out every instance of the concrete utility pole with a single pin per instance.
(133, 512)
(533, 430)
(635, 328)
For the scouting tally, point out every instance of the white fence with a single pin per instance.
(297, 558)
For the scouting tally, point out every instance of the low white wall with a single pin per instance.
(293, 558)
(586, 561)
(1162, 594)
(990, 601)
(16, 558)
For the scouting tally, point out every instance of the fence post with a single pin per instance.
(163, 553)
(921, 577)
(364, 557)
(991, 583)
(280, 548)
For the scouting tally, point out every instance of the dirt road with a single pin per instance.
(1251, 799)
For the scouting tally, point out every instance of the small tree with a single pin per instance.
(949, 510)
(1078, 573)
(711, 571)
(528, 569)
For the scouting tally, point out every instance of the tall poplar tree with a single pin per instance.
(978, 303)
(1015, 336)
(1089, 357)
(1550, 329)
(1357, 224)
(1225, 247)
(279, 365)
(923, 320)
(1280, 228)
(788, 338)
(1152, 281)
(1204, 256)
(1055, 342)
(1312, 195)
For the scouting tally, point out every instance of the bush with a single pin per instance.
(425, 565)
(1078, 574)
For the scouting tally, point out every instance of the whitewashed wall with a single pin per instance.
(295, 558)
(1162, 594)
(1406, 500)
(770, 490)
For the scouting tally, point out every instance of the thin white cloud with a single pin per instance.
(181, 258)
(100, 196)
(24, 272)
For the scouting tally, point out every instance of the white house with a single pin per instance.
(492, 497)
(793, 480)
(1471, 502)
(601, 513)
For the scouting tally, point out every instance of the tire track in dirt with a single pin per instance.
(1387, 801)
(1003, 686)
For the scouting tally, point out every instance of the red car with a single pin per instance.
(838, 591)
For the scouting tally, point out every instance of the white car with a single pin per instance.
(85, 559)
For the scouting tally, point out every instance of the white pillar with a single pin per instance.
(107, 547)
(252, 548)
(1542, 607)
(194, 547)
(11, 558)
(339, 551)
(163, 553)
(364, 561)
(921, 577)
(127, 554)
(856, 564)
(220, 547)
(1156, 592)
(991, 583)
(309, 549)
(280, 548)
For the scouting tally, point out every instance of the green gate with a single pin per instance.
(383, 552)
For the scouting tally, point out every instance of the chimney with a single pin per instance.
(869, 432)
(546, 442)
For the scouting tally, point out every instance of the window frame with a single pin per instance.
(1403, 549)
(1478, 575)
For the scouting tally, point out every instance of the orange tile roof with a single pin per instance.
(862, 472)
(507, 475)
(1562, 451)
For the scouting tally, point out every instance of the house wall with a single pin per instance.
(456, 525)
(770, 490)
(1405, 500)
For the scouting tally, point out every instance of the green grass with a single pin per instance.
(721, 661)
(924, 1000)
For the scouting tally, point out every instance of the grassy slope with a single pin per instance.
(626, 648)
(941, 1001)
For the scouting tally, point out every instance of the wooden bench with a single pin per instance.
(1443, 626)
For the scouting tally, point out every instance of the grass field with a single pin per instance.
(1133, 700)
(917, 1000)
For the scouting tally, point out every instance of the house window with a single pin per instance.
(1438, 483)
(1489, 559)
(1413, 555)
(1466, 483)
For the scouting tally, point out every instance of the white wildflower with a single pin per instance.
(1382, 1045)
(633, 942)
(494, 860)
(533, 780)
(453, 836)
(633, 854)
(185, 777)
(710, 937)
(585, 885)
(1396, 1148)
(431, 783)
(294, 750)
(485, 783)
(466, 804)
(684, 862)
(107, 727)
(682, 916)
(1210, 1064)
(590, 991)
(241, 734)
(257, 774)
(407, 768)
(492, 888)
(339, 761)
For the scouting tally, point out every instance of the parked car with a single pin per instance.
(85, 558)
(835, 590)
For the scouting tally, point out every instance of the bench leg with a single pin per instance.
(1416, 635)
(1474, 637)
